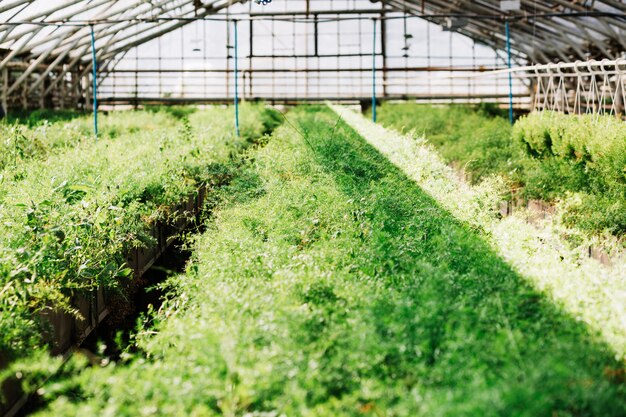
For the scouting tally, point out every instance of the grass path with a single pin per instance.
(330, 284)
(590, 292)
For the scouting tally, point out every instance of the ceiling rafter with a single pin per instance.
(121, 26)
(559, 36)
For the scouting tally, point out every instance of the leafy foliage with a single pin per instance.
(34, 138)
(477, 139)
(571, 160)
(330, 284)
(581, 161)
(178, 112)
(69, 217)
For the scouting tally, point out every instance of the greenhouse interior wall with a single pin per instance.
(314, 58)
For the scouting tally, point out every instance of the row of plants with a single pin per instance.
(568, 278)
(581, 161)
(478, 139)
(329, 284)
(576, 162)
(68, 221)
(44, 133)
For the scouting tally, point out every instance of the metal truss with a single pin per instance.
(543, 31)
(592, 87)
(44, 37)
(45, 42)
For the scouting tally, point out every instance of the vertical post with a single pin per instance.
(307, 53)
(236, 80)
(405, 33)
(228, 55)
(471, 91)
(250, 59)
(383, 50)
(374, 73)
(5, 88)
(77, 88)
(619, 94)
(183, 89)
(316, 50)
(508, 51)
(24, 96)
(160, 67)
(42, 97)
(316, 29)
(63, 88)
(205, 56)
(273, 38)
(136, 77)
(428, 57)
(94, 67)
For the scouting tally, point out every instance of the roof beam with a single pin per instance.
(29, 71)
(115, 27)
(66, 16)
(13, 5)
(176, 25)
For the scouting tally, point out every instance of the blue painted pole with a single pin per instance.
(508, 51)
(374, 74)
(237, 81)
(94, 65)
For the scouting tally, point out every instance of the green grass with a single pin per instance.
(593, 294)
(329, 284)
(477, 139)
(68, 219)
(44, 134)
(44, 116)
(575, 162)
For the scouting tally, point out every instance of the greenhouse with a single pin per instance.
(301, 208)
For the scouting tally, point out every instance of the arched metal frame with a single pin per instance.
(545, 31)
(45, 46)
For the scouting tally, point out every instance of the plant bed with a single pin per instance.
(330, 284)
(42, 134)
(573, 163)
(144, 210)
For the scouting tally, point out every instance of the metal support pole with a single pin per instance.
(5, 88)
(316, 29)
(236, 80)
(383, 50)
(508, 51)
(619, 96)
(228, 54)
(94, 66)
(42, 97)
(374, 73)
(24, 97)
(63, 91)
(250, 59)
(77, 87)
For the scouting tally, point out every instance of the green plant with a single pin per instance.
(178, 112)
(549, 156)
(333, 285)
(476, 139)
(580, 161)
(68, 220)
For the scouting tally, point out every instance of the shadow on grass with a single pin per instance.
(455, 319)
(38, 117)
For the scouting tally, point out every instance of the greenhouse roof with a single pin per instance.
(35, 32)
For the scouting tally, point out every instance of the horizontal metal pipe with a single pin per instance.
(295, 98)
(283, 70)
